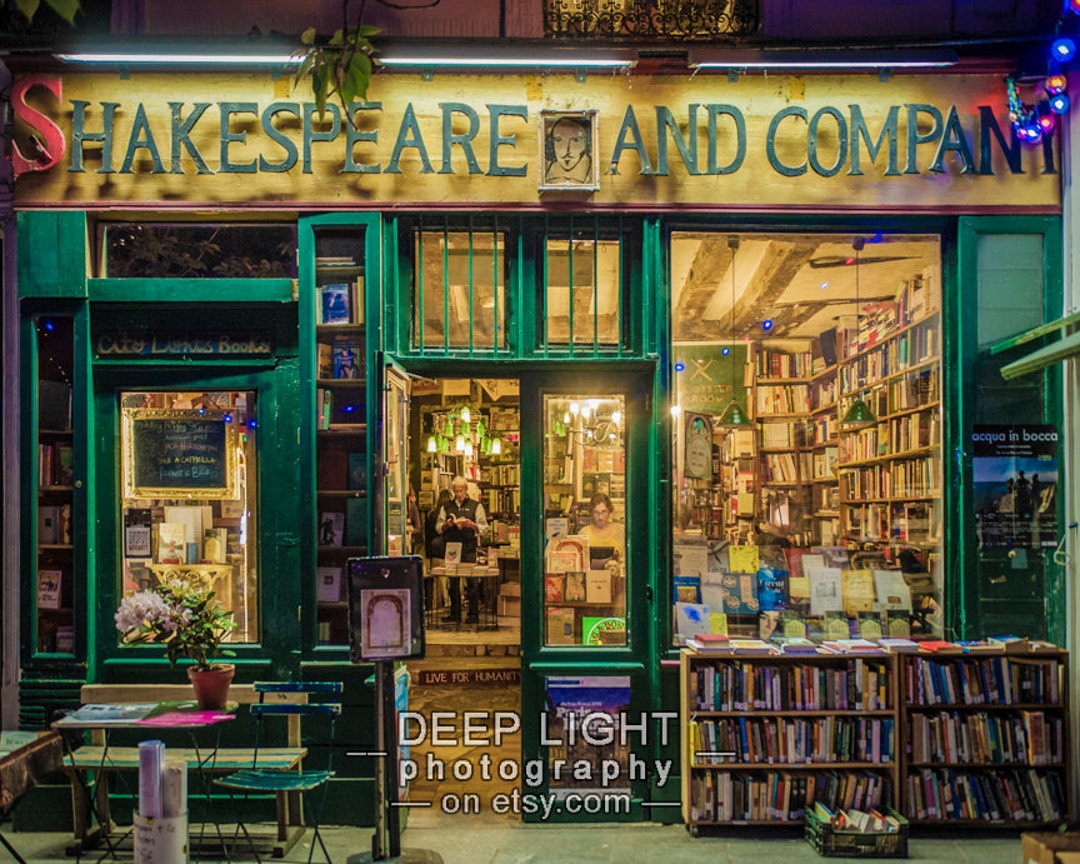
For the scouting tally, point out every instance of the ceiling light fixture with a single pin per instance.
(733, 416)
(858, 414)
(506, 56)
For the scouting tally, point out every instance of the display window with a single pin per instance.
(807, 435)
(188, 509)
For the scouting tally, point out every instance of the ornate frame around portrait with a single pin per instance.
(590, 180)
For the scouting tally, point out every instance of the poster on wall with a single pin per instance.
(698, 448)
(1015, 477)
(707, 377)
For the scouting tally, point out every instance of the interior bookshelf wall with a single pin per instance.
(340, 421)
(890, 473)
(881, 484)
(766, 736)
(987, 740)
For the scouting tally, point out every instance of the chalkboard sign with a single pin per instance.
(171, 453)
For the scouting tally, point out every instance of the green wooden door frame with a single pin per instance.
(646, 603)
(961, 351)
(280, 529)
(374, 312)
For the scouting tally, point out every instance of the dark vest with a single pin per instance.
(465, 536)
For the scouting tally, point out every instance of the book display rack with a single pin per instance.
(987, 739)
(977, 739)
(340, 420)
(765, 737)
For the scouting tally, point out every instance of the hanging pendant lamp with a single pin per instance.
(858, 414)
(733, 416)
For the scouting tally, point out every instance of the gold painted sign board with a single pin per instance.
(910, 144)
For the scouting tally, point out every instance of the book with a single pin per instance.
(854, 646)
(740, 593)
(870, 625)
(898, 624)
(329, 584)
(356, 514)
(335, 303)
(332, 529)
(48, 526)
(1011, 644)
(452, 558)
(324, 361)
(597, 586)
(65, 465)
(857, 587)
(554, 588)
(138, 540)
(172, 543)
(104, 714)
(939, 646)
(215, 545)
(795, 645)
(743, 559)
(753, 647)
(357, 468)
(771, 589)
(686, 589)
(896, 645)
(348, 359)
(574, 591)
(691, 619)
(559, 626)
(49, 588)
(709, 643)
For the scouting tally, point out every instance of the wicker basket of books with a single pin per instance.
(857, 834)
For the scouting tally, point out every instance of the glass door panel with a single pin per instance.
(188, 509)
(584, 491)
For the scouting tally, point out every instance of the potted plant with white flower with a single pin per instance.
(191, 623)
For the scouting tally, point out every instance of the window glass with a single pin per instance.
(585, 520)
(807, 385)
(460, 290)
(584, 293)
(198, 251)
(188, 508)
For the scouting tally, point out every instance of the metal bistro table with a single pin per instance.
(487, 597)
(89, 766)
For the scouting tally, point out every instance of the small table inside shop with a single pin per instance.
(487, 591)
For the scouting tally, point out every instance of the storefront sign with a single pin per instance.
(468, 677)
(931, 141)
(708, 377)
(124, 344)
(1015, 474)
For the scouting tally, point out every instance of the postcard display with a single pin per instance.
(942, 736)
(339, 421)
(799, 526)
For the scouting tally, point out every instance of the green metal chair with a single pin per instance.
(257, 781)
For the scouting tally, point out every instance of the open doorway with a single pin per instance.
(465, 438)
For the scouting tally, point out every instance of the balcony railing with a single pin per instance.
(679, 20)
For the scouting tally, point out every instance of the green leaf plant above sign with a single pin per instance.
(339, 68)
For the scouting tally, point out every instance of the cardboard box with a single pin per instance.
(1044, 847)
(509, 607)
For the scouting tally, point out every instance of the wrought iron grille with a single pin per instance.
(683, 20)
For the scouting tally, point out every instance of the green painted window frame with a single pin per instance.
(963, 596)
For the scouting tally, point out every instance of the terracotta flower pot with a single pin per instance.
(211, 685)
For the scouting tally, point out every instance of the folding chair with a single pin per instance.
(286, 782)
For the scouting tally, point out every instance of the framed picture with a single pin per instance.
(386, 608)
(568, 147)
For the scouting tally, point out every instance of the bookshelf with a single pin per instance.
(766, 736)
(986, 740)
(890, 473)
(340, 427)
(54, 571)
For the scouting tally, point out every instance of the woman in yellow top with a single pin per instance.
(601, 531)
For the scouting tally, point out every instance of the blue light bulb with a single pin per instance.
(1059, 103)
(1063, 50)
(767, 324)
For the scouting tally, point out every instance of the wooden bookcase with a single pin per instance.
(890, 473)
(972, 731)
(55, 564)
(797, 728)
(340, 420)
